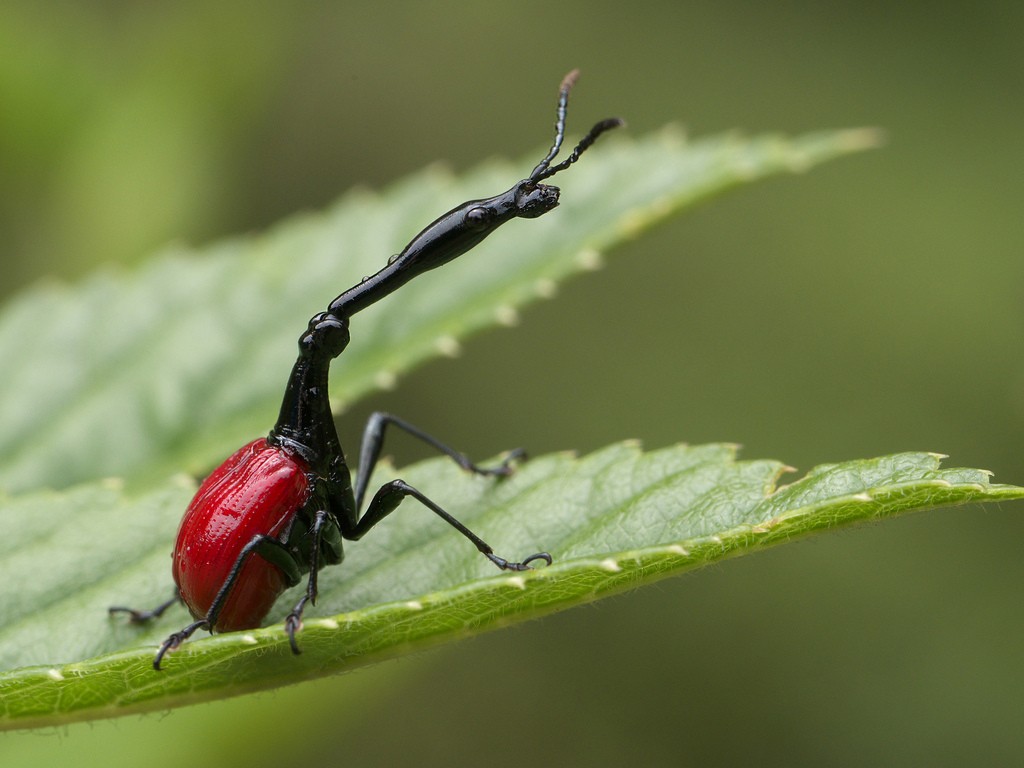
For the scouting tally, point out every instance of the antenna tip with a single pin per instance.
(606, 125)
(569, 81)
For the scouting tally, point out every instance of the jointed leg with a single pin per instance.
(373, 442)
(177, 639)
(141, 617)
(293, 623)
(389, 496)
(268, 548)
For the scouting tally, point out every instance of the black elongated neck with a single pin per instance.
(305, 424)
(374, 288)
(446, 238)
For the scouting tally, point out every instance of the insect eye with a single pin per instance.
(477, 218)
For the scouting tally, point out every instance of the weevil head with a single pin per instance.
(533, 199)
(527, 199)
(466, 225)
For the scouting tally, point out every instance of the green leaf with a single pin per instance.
(173, 366)
(170, 368)
(613, 520)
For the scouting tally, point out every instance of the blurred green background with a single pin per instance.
(869, 307)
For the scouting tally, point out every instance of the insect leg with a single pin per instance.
(293, 623)
(373, 442)
(390, 495)
(141, 617)
(269, 549)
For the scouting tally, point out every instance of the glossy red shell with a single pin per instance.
(259, 490)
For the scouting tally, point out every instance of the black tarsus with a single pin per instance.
(177, 639)
(141, 617)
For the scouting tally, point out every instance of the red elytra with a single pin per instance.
(258, 490)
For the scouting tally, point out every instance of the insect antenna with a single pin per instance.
(543, 171)
(563, 104)
(605, 125)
